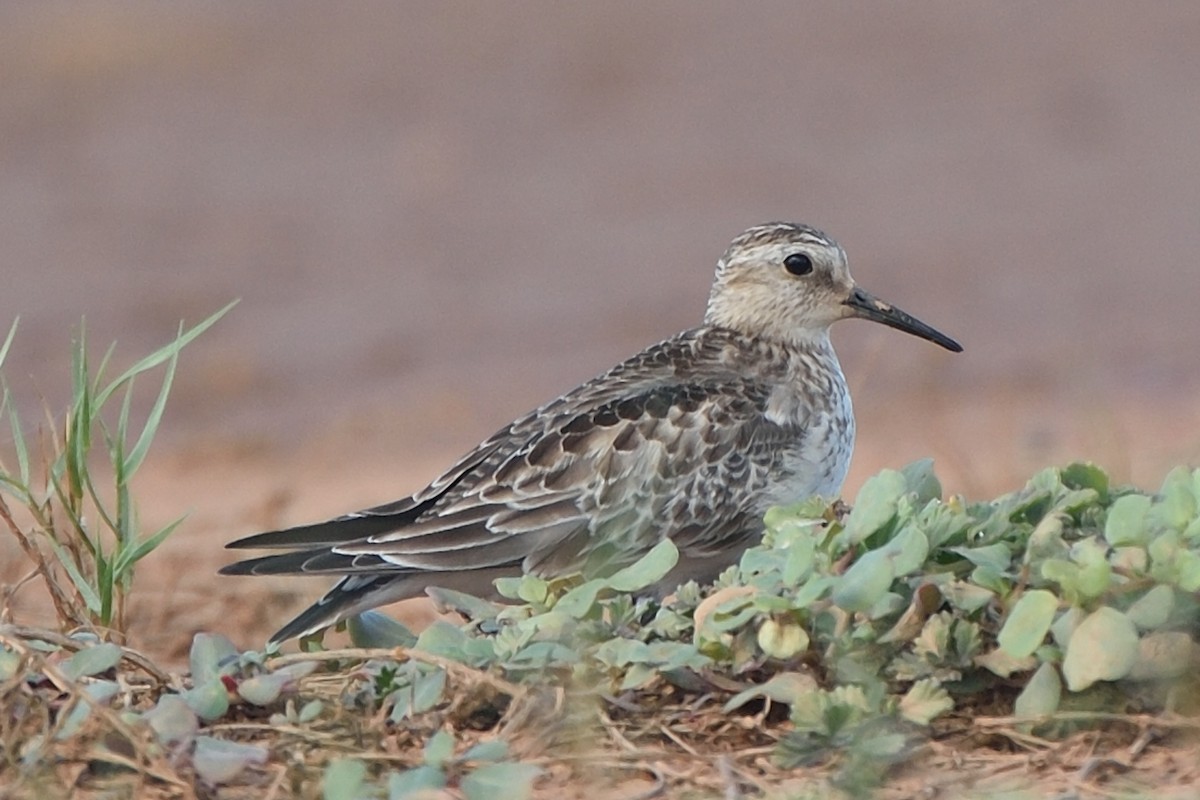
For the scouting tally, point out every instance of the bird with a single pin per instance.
(691, 439)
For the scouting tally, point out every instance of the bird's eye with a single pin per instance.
(798, 264)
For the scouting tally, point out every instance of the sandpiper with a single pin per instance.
(693, 438)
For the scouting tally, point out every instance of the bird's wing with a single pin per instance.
(652, 448)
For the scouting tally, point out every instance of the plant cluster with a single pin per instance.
(1070, 594)
(89, 529)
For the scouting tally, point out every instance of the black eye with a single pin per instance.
(798, 264)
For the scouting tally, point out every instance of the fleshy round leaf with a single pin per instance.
(1188, 570)
(580, 600)
(648, 570)
(10, 662)
(995, 581)
(889, 605)
(292, 673)
(469, 606)
(374, 629)
(504, 781)
(441, 638)
(1153, 609)
(1028, 623)
(785, 687)
(210, 654)
(637, 676)
(865, 583)
(1103, 648)
(209, 701)
(412, 782)
(995, 557)
(490, 750)
(1065, 625)
(172, 719)
(92, 661)
(217, 761)
(1041, 695)
(677, 655)
(1046, 539)
(1176, 506)
(875, 505)
(509, 587)
(798, 556)
(423, 694)
(1191, 533)
(99, 693)
(966, 596)
(343, 779)
(310, 711)
(262, 690)
(922, 481)
(439, 749)
(1166, 655)
(1127, 520)
(533, 590)
(1001, 663)
(1095, 573)
(622, 652)
(883, 746)
(908, 550)
(1085, 475)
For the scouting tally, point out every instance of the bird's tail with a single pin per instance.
(349, 596)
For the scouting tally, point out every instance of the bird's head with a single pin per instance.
(790, 282)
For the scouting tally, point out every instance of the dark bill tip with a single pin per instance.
(864, 304)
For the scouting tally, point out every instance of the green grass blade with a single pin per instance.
(8, 340)
(126, 519)
(105, 517)
(137, 453)
(79, 427)
(73, 517)
(162, 354)
(120, 521)
(102, 368)
(18, 435)
(16, 489)
(113, 443)
(82, 585)
(6, 404)
(116, 453)
(104, 583)
(127, 558)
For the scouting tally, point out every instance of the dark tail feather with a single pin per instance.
(334, 531)
(348, 597)
(316, 561)
(281, 564)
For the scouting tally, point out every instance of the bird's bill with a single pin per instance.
(864, 304)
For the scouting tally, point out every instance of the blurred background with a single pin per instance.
(438, 215)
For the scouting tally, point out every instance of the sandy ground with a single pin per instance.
(438, 215)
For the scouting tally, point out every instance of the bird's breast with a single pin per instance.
(815, 411)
